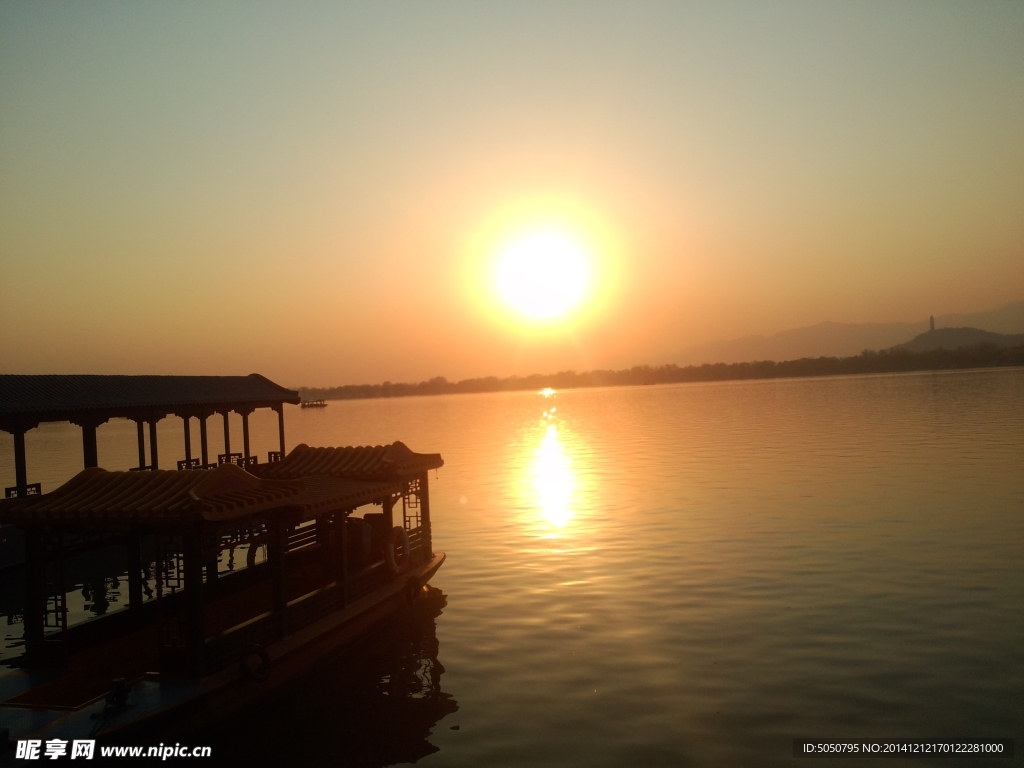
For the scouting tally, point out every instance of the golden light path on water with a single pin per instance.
(552, 481)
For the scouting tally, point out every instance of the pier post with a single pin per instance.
(280, 425)
(202, 439)
(188, 437)
(227, 434)
(20, 468)
(142, 444)
(90, 455)
(245, 433)
(152, 444)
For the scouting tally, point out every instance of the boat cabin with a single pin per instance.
(227, 570)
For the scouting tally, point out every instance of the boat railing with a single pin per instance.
(419, 546)
(32, 489)
(313, 606)
(303, 536)
(226, 648)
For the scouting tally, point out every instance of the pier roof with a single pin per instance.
(29, 400)
(356, 462)
(166, 496)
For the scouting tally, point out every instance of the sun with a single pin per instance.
(543, 274)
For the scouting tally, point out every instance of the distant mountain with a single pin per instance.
(844, 339)
(955, 338)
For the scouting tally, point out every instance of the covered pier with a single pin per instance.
(89, 401)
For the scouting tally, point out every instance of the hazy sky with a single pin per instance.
(313, 191)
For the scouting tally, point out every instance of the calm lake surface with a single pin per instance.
(672, 575)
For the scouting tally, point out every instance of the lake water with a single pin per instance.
(674, 575)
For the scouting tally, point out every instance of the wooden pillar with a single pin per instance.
(90, 455)
(188, 437)
(277, 550)
(280, 425)
(194, 599)
(154, 462)
(227, 434)
(133, 545)
(245, 433)
(142, 445)
(211, 574)
(20, 468)
(341, 559)
(389, 516)
(425, 511)
(35, 592)
(202, 439)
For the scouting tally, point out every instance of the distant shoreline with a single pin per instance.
(886, 361)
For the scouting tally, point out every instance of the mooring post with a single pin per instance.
(188, 437)
(227, 435)
(202, 439)
(280, 425)
(142, 444)
(155, 463)
(90, 455)
(245, 434)
(20, 468)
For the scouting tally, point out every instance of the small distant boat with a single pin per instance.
(313, 404)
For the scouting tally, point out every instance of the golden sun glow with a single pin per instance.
(543, 274)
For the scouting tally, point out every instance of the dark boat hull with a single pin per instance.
(172, 709)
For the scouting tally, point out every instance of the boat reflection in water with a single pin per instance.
(374, 706)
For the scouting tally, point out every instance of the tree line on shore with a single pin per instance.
(886, 361)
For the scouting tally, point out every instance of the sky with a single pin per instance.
(319, 192)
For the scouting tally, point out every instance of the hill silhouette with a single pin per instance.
(956, 338)
(830, 339)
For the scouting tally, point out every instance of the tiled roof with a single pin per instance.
(61, 398)
(214, 495)
(359, 462)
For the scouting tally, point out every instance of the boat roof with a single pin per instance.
(29, 400)
(223, 494)
(377, 462)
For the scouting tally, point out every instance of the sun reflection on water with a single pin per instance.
(554, 481)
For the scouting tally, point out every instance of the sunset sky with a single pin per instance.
(323, 192)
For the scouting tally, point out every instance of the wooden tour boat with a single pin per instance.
(202, 636)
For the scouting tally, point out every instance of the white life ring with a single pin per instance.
(398, 563)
